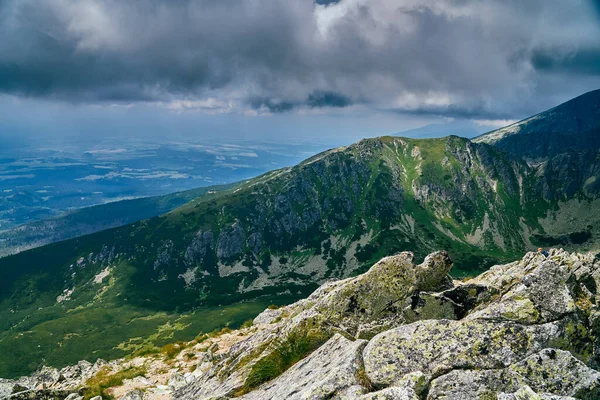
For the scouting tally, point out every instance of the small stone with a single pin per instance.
(74, 396)
(133, 395)
(392, 393)
(177, 381)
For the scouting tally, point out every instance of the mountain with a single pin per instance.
(402, 330)
(562, 146)
(571, 126)
(93, 219)
(458, 128)
(221, 258)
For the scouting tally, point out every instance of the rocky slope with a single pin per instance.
(524, 330)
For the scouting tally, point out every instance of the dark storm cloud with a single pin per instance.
(596, 6)
(317, 99)
(584, 61)
(321, 99)
(455, 57)
(272, 105)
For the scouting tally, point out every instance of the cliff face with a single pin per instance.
(524, 330)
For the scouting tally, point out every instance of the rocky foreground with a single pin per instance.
(525, 330)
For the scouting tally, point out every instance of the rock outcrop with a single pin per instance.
(525, 330)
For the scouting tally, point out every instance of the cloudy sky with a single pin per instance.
(287, 69)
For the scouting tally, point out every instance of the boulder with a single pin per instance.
(526, 393)
(8, 387)
(267, 317)
(435, 347)
(473, 384)
(330, 369)
(558, 372)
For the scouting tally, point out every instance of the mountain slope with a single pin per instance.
(402, 330)
(220, 258)
(93, 219)
(571, 126)
(562, 146)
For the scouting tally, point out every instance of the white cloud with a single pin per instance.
(206, 106)
(248, 154)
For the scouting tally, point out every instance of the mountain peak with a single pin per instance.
(573, 125)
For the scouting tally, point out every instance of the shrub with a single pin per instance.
(247, 324)
(217, 332)
(172, 349)
(146, 351)
(201, 338)
(97, 385)
(363, 379)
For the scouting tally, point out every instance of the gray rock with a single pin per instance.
(473, 384)
(526, 393)
(372, 302)
(231, 242)
(558, 372)
(268, 316)
(177, 381)
(46, 377)
(133, 395)
(435, 347)
(74, 396)
(8, 387)
(392, 393)
(360, 306)
(350, 393)
(330, 369)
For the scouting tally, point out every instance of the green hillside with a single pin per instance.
(88, 220)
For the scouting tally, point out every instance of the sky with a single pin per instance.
(288, 70)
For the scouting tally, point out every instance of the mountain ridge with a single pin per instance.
(570, 126)
(276, 237)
